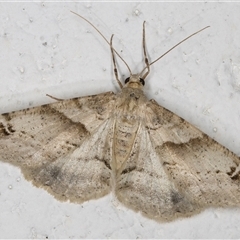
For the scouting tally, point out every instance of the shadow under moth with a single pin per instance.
(153, 160)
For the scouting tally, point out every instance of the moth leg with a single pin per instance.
(114, 63)
(145, 53)
(58, 99)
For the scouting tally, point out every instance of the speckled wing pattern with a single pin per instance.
(175, 170)
(154, 161)
(63, 147)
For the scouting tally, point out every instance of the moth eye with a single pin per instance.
(127, 80)
(142, 81)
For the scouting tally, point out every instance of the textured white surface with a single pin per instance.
(46, 49)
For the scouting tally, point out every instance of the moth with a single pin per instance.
(154, 161)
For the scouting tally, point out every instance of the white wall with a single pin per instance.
(46, 49)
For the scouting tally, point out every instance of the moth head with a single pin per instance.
(134, 81)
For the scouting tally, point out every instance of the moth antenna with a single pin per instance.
(174, 47)
(104, 39)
